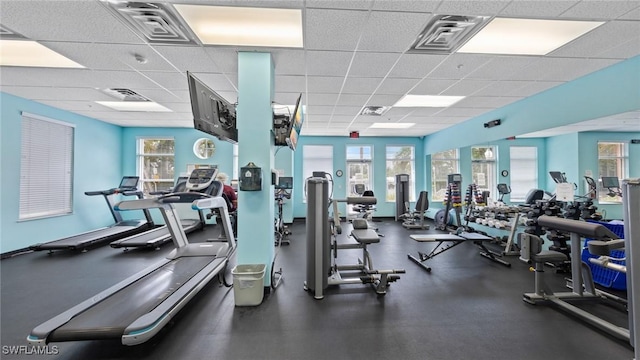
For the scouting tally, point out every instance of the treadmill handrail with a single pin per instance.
(161, 201)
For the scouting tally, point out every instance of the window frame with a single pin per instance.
(436, 158)
(369, 185)
(622, 166)
(390, 193)
(140, 156)
(492, 177)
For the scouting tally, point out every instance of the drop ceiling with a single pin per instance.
(356, 53)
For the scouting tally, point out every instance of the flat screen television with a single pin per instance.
(610, 182)
(295, 125)
(212, 114)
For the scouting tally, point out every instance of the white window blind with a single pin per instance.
(316, 158)
(46, 167)
(523, 171)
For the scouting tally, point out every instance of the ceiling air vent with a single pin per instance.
(444, 34)
(157, 23)
(374, 110)
(125, 94)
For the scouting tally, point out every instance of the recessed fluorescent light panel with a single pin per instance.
(427, 101)
(391, 125)
(146, 106)
(33, 54)
(244, 26)
(526, 36)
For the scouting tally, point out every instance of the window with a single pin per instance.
(443, 164)
(316, 158)
(156, 163)
(359, 168)
(483, 168)
(612, 162)
(400, 160)
(523, 171)
(46, 167)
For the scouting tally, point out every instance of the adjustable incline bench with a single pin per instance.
(448, 241)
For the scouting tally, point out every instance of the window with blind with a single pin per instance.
(316, 158)
(400, 160)
(156, 163)
(443, 164)
(483, 168)
(46, 167)
(523, 171)
(612, 162)
(359, 168)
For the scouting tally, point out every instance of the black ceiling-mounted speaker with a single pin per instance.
(635, 141)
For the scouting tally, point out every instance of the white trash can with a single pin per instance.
(248, 280)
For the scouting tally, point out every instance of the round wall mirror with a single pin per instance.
(204, 148)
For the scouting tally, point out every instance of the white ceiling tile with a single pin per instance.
(372, 64)
(339, 4)
(396, 86)
(360, 85)
(289, 61)
(56, 93)
(383, 100)
(535, 87)
(176, 80)
(461, 112)
(324, 84)
(472, 7)
(352, 100)
(333, 29)
(432, 86)
(466, 87)
(459, 66)
(599, 9)
(82, 21)
(391, 31)
(28, 76)
(286, 83)
(347, 110)
(422, 112)
(73, 106)
(624, 50)
(486, 102)
(536, 8)
(320, 109)
(187, 58)
(225, 58)
(501, 67)
(632, 15)
(416, 66)
(407, 5)
(328, 63)
(321, 99)
(166, 96)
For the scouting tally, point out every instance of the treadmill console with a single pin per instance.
(200, 179)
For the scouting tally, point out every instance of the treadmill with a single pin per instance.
(121, 228)
(137, 308)
(154, 238)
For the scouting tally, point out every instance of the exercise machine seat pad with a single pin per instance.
(548, 256)
(365, 236)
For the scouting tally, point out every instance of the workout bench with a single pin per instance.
(448, 241)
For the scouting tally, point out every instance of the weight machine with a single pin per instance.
(322, 244)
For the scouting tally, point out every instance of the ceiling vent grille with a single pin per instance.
(8, 34)
(444, 34)
(374, 110)
(155, 22)
(125, 94)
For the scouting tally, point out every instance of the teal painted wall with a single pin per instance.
(562, 155)
(384, 209)
(612, 90)
(97, 166)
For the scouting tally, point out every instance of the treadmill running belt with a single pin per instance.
(109, 318)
